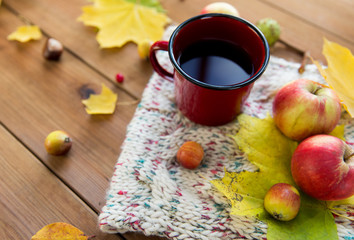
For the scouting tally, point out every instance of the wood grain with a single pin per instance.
(32, 196)
(81, 40)
(295, 30)
(38, 96)
(334, 17)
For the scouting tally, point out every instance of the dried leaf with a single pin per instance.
(340, 72)
(103, 103)
(26, 33)
(121, 21)
(268, 149)
(59, 230)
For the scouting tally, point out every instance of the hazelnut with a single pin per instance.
(52, 49)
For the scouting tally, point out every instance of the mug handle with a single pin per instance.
(159, 45)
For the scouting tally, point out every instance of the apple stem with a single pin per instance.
(351, 155)
(350, 158)
(316, 89)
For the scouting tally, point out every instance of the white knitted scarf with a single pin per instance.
(150, 193)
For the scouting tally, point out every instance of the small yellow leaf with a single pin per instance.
(26, 33)
(121, 21)
(103, 103)
(59, 230)
(340, 72)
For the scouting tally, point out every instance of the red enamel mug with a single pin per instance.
(216, 60)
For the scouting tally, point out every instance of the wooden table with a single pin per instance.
(39, 96)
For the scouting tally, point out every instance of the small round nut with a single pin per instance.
(52, 49)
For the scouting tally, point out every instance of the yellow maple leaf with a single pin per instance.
(121, 21)
(103, 103)
(340, 72)
(59, 230)
(270, 151)
(26, 33)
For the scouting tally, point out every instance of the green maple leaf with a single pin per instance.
(314, 221)
(268, 149)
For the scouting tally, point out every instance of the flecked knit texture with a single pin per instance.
(150, 193)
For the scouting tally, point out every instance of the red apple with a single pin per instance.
(303, 108)
(220, 7)
(282, 201)
(323, 167)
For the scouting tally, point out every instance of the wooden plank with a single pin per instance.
(336, 17)
(81, 40)
(38, 96)
(32, 197)
(296, 31)
(44, 95)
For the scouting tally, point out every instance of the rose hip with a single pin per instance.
(119, 77)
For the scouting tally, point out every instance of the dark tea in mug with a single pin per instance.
(216, 58)
(216, 62)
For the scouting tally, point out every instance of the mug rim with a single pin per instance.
(248, 81)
